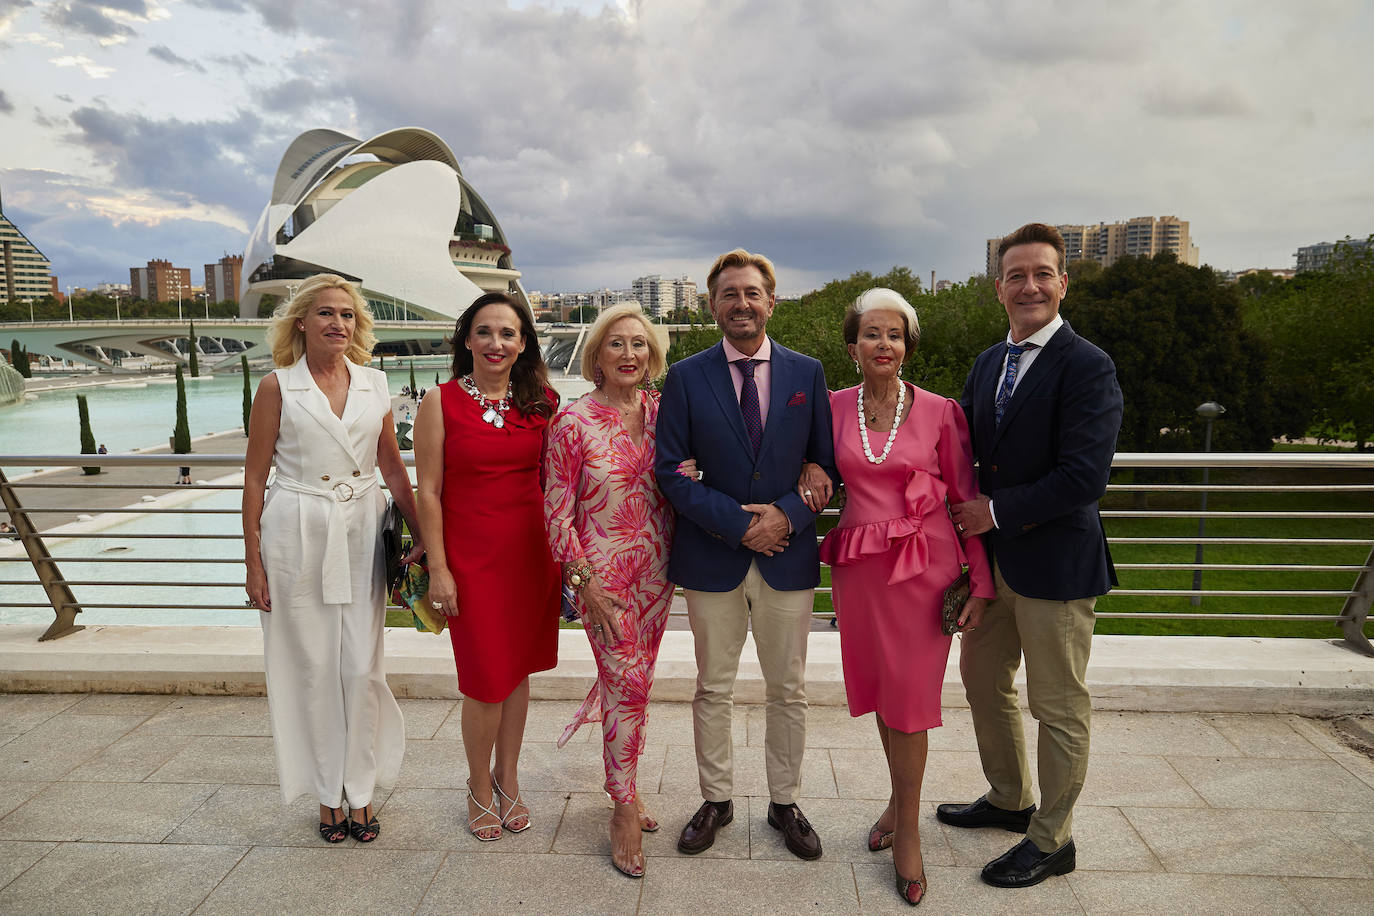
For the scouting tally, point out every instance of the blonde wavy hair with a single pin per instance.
(653, 367)
(288, 342)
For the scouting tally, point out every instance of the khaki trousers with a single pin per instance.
(1056, 638)
(781, 622)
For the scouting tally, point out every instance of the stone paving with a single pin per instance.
(166, 804)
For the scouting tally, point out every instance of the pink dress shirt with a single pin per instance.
(763, 373)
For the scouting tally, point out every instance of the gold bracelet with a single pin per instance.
(578, 574)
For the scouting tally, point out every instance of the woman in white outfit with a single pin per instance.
(314, 570)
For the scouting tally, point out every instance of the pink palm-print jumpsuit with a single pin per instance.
(602, 504)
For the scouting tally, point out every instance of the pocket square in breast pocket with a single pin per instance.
(798, 398)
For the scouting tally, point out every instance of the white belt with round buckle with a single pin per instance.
(339, 491)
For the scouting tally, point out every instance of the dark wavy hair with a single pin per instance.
(529, 377)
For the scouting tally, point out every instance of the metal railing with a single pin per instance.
(1299, 545)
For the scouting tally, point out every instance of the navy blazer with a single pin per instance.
(699, 417)
(1047, 464)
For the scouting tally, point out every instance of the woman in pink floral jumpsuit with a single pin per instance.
(611, 528)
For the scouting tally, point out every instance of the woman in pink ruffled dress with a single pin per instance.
(902, 454)
(611, 528)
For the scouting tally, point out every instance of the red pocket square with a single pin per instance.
(798, 398)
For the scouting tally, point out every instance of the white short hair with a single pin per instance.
(880, 297)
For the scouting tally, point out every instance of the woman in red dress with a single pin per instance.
(479, 441)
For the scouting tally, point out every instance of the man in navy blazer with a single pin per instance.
(1044, 410)
(750, 411)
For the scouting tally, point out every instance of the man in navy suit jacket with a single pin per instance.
(750, 411)
(1044, 410)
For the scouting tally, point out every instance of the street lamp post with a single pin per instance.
(69, 303)
(1208, 411)
(205, 295)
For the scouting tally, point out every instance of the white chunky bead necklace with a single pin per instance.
(892, 435)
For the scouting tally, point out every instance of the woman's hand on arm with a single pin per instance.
(690, 470)
(815, 486)
(264, 424)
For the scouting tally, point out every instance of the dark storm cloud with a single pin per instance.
(91, 19)
(6, 106)
(190, 160)
(291, 96)
(168, 56)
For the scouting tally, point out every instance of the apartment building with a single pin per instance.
(222, 278)
(160, 282)
(25, 273)
(1106, 242)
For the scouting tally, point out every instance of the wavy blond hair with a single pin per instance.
(596, 336)
(288, 342)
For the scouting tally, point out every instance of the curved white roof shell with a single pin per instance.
(384, 211)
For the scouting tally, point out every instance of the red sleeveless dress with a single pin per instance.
(497, 548)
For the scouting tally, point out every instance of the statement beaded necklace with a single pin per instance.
(493, 412)
(892, 435)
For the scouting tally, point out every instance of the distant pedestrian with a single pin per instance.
(102, 450)
(184, 476)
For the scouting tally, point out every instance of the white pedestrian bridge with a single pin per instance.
(222, 340)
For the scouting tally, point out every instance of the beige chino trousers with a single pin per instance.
(1056, 639)
(781, 622)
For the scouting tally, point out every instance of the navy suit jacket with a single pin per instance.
(699, 417)
(1046, 465)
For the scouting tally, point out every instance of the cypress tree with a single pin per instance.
(381, 362)
(87, 437)
(181, 433)
(19, 359)
(412, 376)
(436, 379)
(247, 392)
(195, 362)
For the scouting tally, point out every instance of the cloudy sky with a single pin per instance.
(613, 140)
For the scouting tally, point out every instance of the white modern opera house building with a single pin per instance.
(393, 213)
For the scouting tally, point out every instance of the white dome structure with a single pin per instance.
(393, 213)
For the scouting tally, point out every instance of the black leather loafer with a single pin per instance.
(983, 813)
(700, 831)
(797, 833)
(1025, 865)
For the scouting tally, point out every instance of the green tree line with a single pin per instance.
(1286, 359)
(97, 308)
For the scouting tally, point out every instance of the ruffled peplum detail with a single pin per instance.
(905, 534)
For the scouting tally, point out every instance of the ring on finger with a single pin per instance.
(806, 493)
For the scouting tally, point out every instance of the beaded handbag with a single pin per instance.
(955, 597)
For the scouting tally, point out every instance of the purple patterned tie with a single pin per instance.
(749, 403)
(1009, 380)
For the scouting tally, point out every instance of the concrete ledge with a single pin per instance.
(1152, 673)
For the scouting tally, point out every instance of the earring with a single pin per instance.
(598, 377)
(856, 368)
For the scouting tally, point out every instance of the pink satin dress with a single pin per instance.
(894, 553)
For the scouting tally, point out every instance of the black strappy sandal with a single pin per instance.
(336, 832)
(364, 833)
